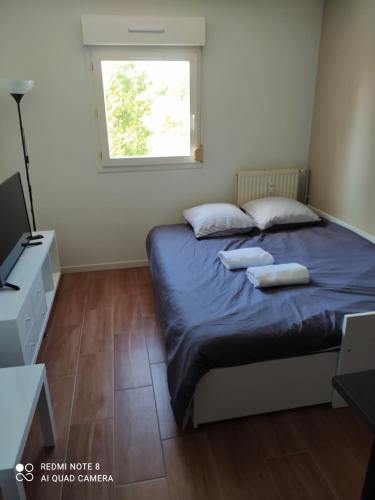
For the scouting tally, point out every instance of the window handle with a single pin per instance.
(193, 122)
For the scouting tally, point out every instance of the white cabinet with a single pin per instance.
(24, 313)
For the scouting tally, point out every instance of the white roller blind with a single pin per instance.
(134, 30)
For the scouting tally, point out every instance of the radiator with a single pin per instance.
(288, 182)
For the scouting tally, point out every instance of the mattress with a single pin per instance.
(212, 317)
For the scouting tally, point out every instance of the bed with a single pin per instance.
(234, 350)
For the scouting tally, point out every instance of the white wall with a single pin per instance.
(259, 68)
(342, 155)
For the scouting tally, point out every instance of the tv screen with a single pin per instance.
(14, 225)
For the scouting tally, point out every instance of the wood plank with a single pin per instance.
(143, 275)
(132, 368)
(94, 392)
(278, 435)
(238, 459)
(167, 423)
(73, 283)
(157, 489)
(148, 305)
(191, 468)
(91, 442)
(61, 390)
(62, 349)
(321, 428)
(100, 289)
(356, 432)
(318, 426)
(127, 314)
(342, 469)
(97, 335)
(124, 282)
(38, 490)
(68, 310)
(297, 478)
(138, 453)
(155, 345)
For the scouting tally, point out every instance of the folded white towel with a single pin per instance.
(245, 257)
(278, 275)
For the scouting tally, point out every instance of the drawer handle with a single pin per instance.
(33, 345)
(28, 319)
(38, 291)
(42, 314)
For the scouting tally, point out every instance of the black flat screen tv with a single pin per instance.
(14, 225)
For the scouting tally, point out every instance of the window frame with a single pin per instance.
(191, 54)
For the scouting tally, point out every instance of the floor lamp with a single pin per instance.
(17, 89)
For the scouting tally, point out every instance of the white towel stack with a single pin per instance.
(278, 275)
(245, 257)
(261, 270)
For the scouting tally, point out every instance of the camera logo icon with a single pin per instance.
(24, 472)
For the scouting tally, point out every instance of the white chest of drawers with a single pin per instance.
(24, 313)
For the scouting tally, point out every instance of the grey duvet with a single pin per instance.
(213, 317)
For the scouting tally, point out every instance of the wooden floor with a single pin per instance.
(107, 375)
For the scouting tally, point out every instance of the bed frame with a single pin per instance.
(287, 383)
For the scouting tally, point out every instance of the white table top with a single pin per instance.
(19, 392)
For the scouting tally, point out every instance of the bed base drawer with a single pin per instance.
(264, 387)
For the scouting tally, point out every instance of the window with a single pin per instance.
(148, 105)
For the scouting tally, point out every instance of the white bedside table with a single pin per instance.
(23, 390)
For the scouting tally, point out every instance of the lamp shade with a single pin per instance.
(16, 86)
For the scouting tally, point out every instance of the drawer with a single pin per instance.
(25, 319)
(37, 291)
(40, 315)
(29, 348)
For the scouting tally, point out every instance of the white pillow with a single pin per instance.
(217, 219)
(272, 211)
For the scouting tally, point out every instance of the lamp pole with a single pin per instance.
(17, 89)
(17, 98)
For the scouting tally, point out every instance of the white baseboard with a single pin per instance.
(340, 222)
(140, 263)
(103, 266)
